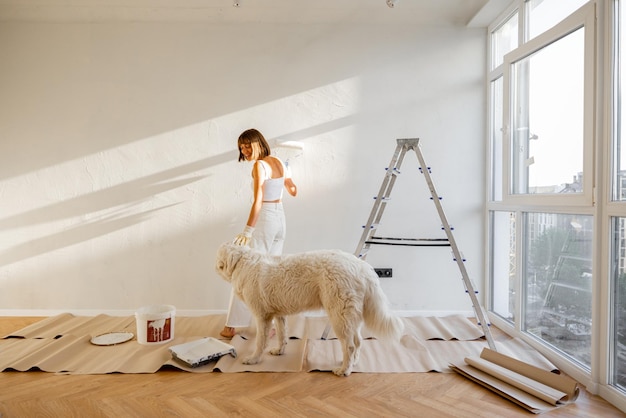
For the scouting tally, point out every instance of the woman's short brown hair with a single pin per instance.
(260, 147)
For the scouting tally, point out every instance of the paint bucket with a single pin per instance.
(155, 324)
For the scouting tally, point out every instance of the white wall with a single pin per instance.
(118, 140)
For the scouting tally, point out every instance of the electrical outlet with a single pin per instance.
(384, 272)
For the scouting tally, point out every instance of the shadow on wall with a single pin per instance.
(87, 231)
(125, 196)
(176, 269)
(127, 193)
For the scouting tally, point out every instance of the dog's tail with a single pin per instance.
(376, 312)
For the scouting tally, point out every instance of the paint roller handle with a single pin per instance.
(243, 239)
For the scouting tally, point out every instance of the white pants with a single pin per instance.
(268, 237)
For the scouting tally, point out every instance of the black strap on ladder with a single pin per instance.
(368, 238)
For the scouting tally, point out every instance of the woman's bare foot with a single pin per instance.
(228, 332)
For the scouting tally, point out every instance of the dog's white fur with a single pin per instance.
(276, 286)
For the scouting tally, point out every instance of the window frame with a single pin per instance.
(583, 17)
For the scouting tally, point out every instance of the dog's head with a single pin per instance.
(228, 255)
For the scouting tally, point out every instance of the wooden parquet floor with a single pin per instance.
(173, 393)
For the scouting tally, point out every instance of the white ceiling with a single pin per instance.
(432, 12)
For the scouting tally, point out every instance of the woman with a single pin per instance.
(265, 229)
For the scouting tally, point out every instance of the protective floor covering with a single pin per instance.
(61, 344)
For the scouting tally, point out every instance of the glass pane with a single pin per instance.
(497, 101)
(557, 281)
(544, 14)
(503, 274)
(619, 300)
(547, 120)
(619, 173)
(503, 40)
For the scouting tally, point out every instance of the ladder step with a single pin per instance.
(471, 284)
(484, 314)
(411, 242)
(412, 239)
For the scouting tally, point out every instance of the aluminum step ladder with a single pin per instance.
(368, 238)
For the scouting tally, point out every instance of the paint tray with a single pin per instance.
(199, 352)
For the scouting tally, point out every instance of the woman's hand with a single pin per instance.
(243, 239)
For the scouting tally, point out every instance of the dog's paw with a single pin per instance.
(278, 351)
(340, 371)
(252, 360)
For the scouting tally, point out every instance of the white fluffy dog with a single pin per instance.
(276, 286)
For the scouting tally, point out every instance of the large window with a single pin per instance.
(504, 38)
(503, 264)
(618, 197)
(547, 115)
(619, 110)
(542, 225)
(557, 281)
(544, 14)
(557, 185)
(619, 300)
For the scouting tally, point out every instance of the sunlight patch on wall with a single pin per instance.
(138, 196)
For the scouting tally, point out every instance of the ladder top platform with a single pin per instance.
(409, 142)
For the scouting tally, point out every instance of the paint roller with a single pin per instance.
(290, 145)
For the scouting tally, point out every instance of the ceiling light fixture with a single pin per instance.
(235, 3)
(391, 3)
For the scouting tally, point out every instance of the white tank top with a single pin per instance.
(272, 188)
